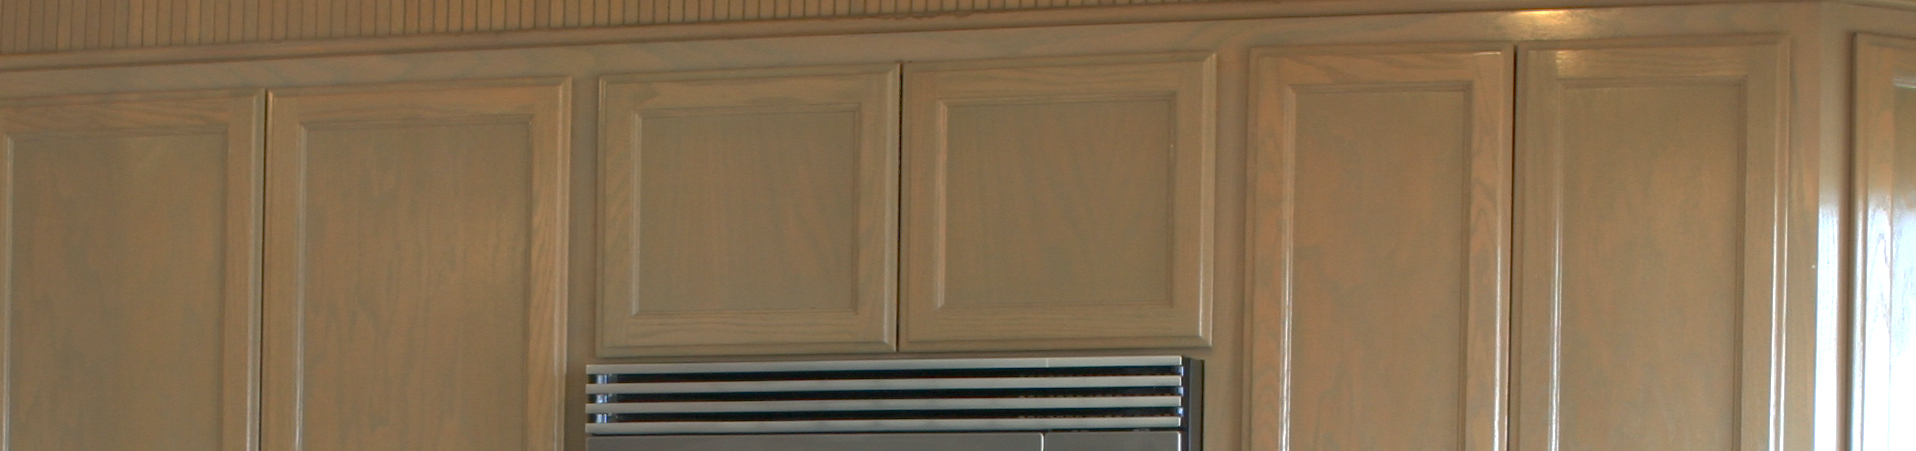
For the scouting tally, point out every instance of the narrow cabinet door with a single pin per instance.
(130, 270)
(1886, 291)
(1648, 245)
(1381, 210)
(750, 211)
(415, 267)
(1059, 203)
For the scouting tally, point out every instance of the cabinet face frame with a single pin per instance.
(239, 115)
(1482, 72)
(1756, 65)
(870, 92)
(543, 105)
(1884, 276)
(1187, 80)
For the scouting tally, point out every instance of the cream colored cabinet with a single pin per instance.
(415, 247)
(1058, 203)
(1886, 182)
(1642, 303)
(750, 211)
(129, 266)
(1050, 204)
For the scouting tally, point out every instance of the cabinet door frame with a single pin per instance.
(1278, 75)
(1188, 79)
(1753, 62)
(243, 111)
(870, 325)
(545, 105)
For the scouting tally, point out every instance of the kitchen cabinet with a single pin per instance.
(414, 255)
(1052, 203)
(130, 268)
(750, 211)
(1886, 187)
(1059, 203)
(1646, 182)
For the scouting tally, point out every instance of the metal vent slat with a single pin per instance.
(1015, 394)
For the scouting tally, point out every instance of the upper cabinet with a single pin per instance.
(129, 268)
(1059, 203)
(1886, 295)
(1049, 204)
(750, 212)
(1644, 187)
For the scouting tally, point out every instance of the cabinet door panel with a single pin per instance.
(414, 255)
(751, 211)
(130, 272)
(1886, 173)
(1381, 209)
(1650, 195)
(1060, 203)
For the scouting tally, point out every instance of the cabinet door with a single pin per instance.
(1886, 173)
(750, 212)
(1648, 240)
(1381, 211)
(130, 272)
(414, 267)
(1059, 203)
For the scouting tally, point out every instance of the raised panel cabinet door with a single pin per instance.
(1059, 203)
(1379, 242)
(1647, 275)
(130, 271)
(750, 211)
(415, 268)
(1886, 285)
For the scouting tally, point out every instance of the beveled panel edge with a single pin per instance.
(878, 218)
(1268, 203)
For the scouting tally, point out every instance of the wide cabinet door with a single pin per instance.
(129, 266)
(1058, 203)
(414, 267)
(750, 211)
(1614, 269)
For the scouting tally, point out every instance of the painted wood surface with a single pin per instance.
(414, 267)
(1648, 239)
(1886, 289)
(130, 271)
(750, 211)
(1059, 203)
(1381, 203)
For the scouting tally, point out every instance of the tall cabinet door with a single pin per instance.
(1649, 195)
(1381, 210)
(415, 267)
(1059, 203)
(1886, 291)
(750, 211)
(130, 272)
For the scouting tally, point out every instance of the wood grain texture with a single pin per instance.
(44, 26)
(1059, 203)
(130, 267)
(1886, 279)
(1648, 287)
(750, 211)
(1381, 209)
(415, 267)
